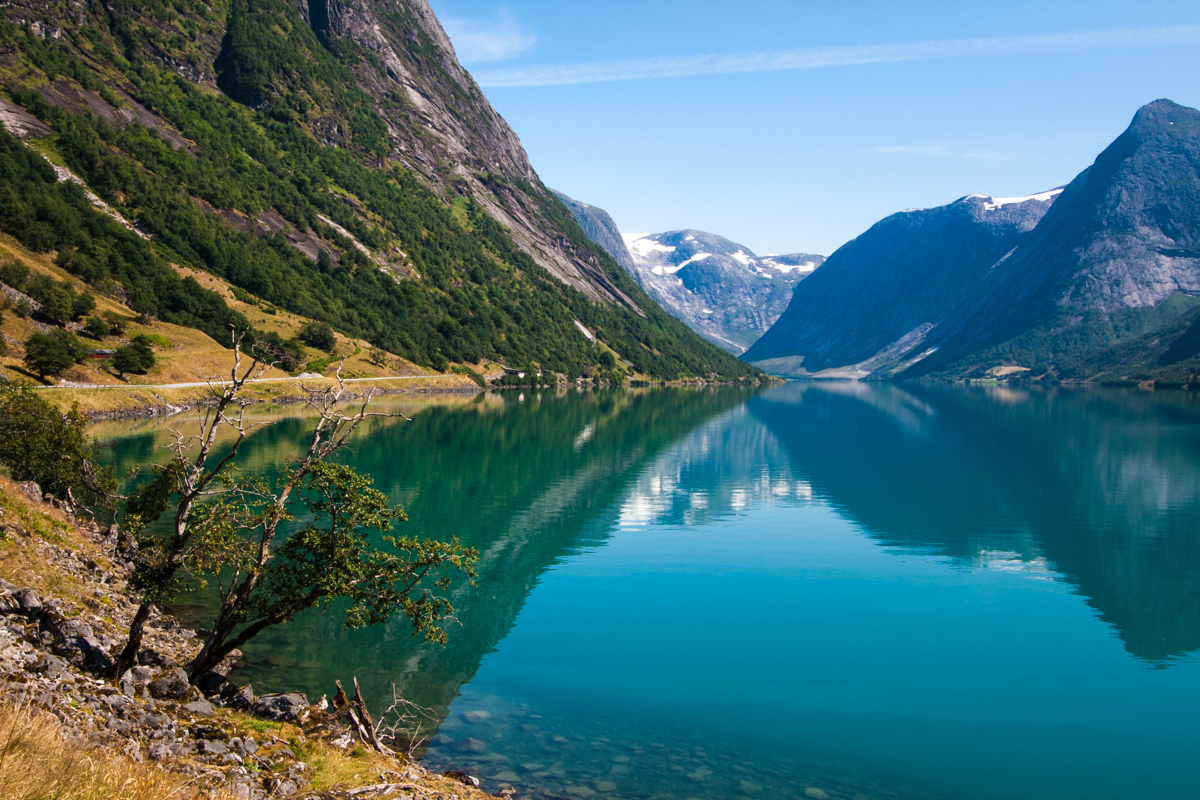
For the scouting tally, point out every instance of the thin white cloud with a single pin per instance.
(941, 151)
(812, 58)
(480, 40)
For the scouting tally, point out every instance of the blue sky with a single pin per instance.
(794, 126)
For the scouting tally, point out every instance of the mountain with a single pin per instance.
(1105, 287)
(1108, 285)
(329, 158)
(721, 289)
(886, 289)
(598, 226)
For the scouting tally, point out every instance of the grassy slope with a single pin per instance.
(188, 355)
(477, 297)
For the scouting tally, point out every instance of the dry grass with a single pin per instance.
(185, 355)
(20, 562)
(37, 763)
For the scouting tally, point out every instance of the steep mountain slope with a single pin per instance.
(890, 286)
(721, 289)
(600, 228)
(1105, 287)
(1108, 285)
(330, 158)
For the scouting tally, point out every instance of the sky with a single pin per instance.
(794, 126)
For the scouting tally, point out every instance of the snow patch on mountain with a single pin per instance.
(721, 289)
(992, 203)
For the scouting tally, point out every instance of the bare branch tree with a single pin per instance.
(190, 477)
(332, 431)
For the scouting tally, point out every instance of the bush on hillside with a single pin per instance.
(38, 443)
(52, 354)
(319, 335)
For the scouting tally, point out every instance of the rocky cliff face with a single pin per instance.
(884, 291)
(1122, 240)
(438, 122)
(441, 126)
(600, 228)
(1102, 284)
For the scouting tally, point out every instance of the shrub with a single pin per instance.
(117, 324)
(58, 303)
(97, 328)
(37, 443)
(136, 357)
(319, 335)
(51, 354)
(14, 275)
(82, 305)
(287, 354)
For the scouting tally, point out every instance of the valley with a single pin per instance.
(311, 383)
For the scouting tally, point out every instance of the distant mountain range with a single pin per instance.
(721, 289)
(1098, 281)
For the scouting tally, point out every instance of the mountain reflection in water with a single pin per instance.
(523, 477)
(1098, 487)
(857, 587)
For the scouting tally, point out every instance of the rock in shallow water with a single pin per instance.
(468, 745)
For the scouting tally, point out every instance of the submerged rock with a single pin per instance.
(468, 745)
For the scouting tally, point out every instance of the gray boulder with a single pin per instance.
(29, 602)
(31, 490)
(201, 708)
(170, 684)
(280, 707)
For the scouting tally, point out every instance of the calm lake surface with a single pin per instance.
(817, 589)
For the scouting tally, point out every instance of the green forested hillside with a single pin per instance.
(440, 280)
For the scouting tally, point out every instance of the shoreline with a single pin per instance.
(63, 614)
(103, 403)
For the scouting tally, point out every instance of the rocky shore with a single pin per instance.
(63, 614)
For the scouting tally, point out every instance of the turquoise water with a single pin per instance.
(820, 589)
